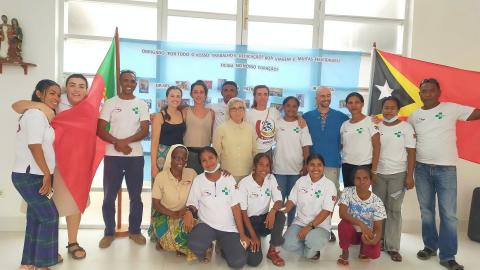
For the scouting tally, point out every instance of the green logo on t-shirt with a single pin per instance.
(226, 191)
(296, 130)
(135, 110)
(439, 115)
(398, 134)
(359, 130)
(317, 193)
(268, 192)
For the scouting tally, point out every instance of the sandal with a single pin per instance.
(208, 255)
(158, 246)
(26, 267)
(395, 256)
(74, 249)
(59, 258)
(274, 256)
(342, 261)
(426, 253)
(363, 257)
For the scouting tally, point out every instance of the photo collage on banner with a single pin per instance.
(287, 72)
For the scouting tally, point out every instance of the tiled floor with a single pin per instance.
(124, 254)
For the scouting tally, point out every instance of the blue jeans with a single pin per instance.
(314, 241)
(286, 183)
(431, 180)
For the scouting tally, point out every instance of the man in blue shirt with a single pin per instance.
(324, 125)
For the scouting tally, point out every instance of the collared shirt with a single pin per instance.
(221, 111)
(395, 140)
(357, 146)
(236, 146)
(172, 193)
(326, 141)
(311, 198)
(214, 201)
(256, 199)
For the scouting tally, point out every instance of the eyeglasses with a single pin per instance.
(239, 109)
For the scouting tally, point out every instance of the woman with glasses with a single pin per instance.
(235, 141)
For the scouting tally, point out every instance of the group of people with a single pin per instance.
(224, 176)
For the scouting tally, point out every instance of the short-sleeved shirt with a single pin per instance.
(263, 122)
(367, 211)
(172, 193)
(256, 199)
(436, 132)
(124, 116)
(326, 139)
(214, 201)
(357, 145)
(220, 110)
(33, 128)
(393, 153)
(288, 156)
(311, 198)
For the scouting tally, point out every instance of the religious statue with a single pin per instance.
(15, 37)
(4, 29)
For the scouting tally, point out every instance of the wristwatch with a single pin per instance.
(311, 225)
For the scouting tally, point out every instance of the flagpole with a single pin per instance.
(121, 231)
(372, 73)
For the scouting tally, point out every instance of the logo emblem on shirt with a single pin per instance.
(268, 192)
(206, 193)
(117, 110)
(359, 130)
(318, 193)
(265, 129)
(226, 190)
(254, 195)
(439, 115)
(334, 198)
(296, 130)
(135, 110)
(398, 134)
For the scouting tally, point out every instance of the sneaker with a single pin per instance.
(426, 253)
(106, 241)
(138, 238)
(452, 265)
(315, 257)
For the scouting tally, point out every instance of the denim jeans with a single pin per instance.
(286, 183)
(431, 180)
(315, 241)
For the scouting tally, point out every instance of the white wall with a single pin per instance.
(37, 19)
(446, 32)
(442, 31)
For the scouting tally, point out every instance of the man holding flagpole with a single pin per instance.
(436, 172)
(128, 118)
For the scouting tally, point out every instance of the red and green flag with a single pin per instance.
(78, 149)
(398, 76)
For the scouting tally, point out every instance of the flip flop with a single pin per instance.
(342, 261)
(395, 256)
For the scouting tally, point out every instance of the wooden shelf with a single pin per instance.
(21, 64)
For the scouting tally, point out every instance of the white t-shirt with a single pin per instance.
(214, 201)
(64, 104)
(256, 199)
(393, 153)
(220, 110)
(263, 122)
(311, 198)
(357, 141)
(33, 128)
(436, 132)
(288, 157)
(124, 116)
(367, 211)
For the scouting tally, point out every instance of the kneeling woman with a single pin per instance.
(169, 195)
(362, 214)
(257, 191)
(314, 195)
(215, 200)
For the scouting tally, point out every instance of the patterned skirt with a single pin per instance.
(170, 234)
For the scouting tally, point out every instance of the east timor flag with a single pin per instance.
(399, 76)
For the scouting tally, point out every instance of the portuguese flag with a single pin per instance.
(78, 149)
(398, 76)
